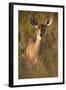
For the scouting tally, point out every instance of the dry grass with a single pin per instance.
(48, 64)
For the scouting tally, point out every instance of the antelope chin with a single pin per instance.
(39, 37)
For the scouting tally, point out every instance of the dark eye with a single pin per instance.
(37, 28)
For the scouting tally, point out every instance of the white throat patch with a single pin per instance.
(39, 37)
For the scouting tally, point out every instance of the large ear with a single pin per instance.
(49, 20)
(33, 20)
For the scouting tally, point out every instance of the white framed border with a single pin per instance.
(40, 8)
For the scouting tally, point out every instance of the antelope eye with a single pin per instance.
(37, 29)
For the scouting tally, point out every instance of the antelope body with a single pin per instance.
(32, 49)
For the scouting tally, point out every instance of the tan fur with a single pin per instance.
(33, 49)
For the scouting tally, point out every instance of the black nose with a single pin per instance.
(41, 34)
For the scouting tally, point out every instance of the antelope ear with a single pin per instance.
(33, 20)
(49, 20)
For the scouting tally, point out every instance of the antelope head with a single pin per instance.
(41, 28)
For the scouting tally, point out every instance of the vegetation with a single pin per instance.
(48, 55)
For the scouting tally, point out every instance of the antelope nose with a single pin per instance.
(41, 34)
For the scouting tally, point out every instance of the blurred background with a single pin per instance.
(48, 54)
